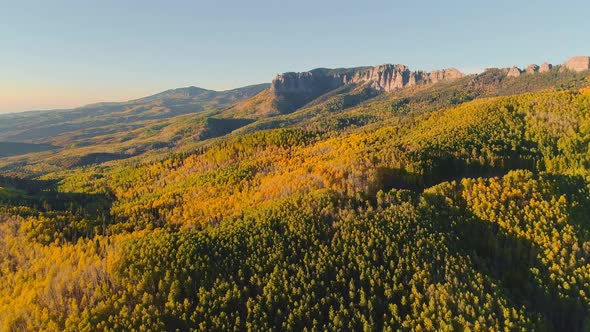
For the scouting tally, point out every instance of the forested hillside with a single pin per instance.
(460, 205)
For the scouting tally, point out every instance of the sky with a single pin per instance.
(67, 53)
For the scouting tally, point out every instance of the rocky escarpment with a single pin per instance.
(577, 64)
(290, 91)
(293, 90)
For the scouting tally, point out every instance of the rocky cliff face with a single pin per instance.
(292, 90)
(310, 82)
(386, 77)
(390, 77)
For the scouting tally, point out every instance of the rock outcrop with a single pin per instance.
(531, 69)
(513, 72)
(545, 67)
(577, 63)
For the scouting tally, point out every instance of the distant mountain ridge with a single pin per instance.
(37, 125)
(206, 94)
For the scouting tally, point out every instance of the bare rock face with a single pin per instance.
(531, 69)
(305, 82)
(578, 63)
(545, 67)
(292, 90)
(384, 78)
(389, 77)
(444, 75)
(513, 72)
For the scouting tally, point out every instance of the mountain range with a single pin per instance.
(184, 117)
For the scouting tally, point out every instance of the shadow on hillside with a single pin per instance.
(9, 149)
(575, 188)
(216, 127)
(27, 185)
(447, 168)
(88, 214)
(508, 260)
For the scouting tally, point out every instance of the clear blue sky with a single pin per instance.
(58, 53)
